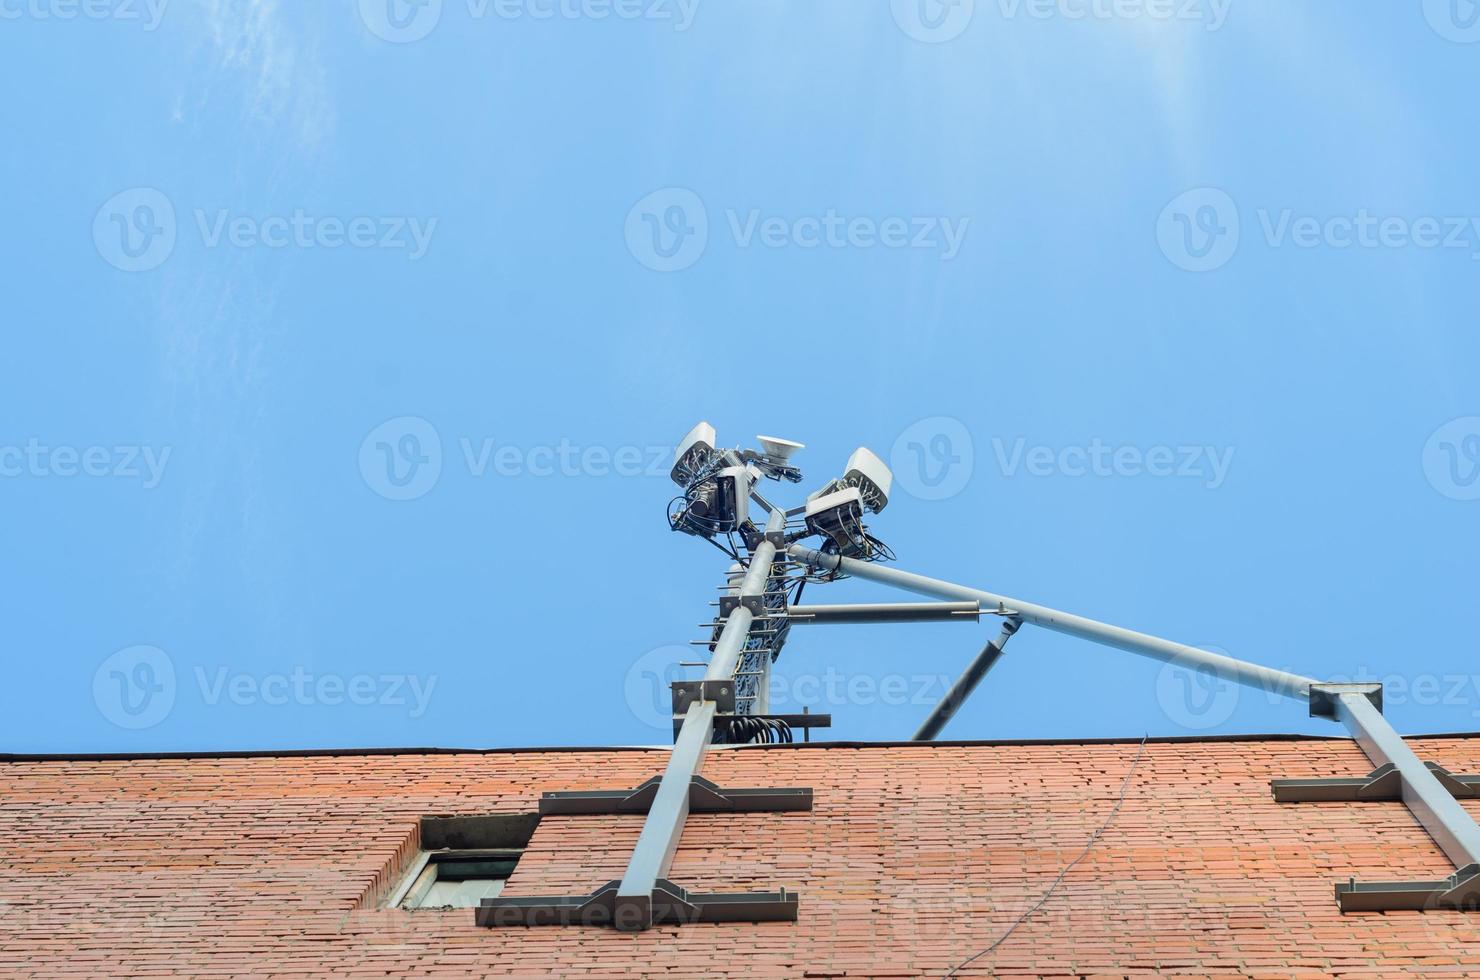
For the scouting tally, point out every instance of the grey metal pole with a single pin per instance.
(966, 683)
(754, 586)
(661, 831)
(1434, 806)
(1266, 678)
(726, 656)
(885, 612)
(653, 855)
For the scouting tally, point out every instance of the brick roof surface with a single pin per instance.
(914, 858)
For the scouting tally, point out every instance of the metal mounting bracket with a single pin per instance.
(729, 603)
(1460, 891)
(721, 692)
(1323, 697)
(667, 905)
(704, 797)
(1385, 783)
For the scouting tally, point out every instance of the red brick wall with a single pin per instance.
(914, 858)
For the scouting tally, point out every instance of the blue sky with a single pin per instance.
(341, 340)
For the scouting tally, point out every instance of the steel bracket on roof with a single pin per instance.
(1323, 697)
(667, 905)
(1460, 891)
(704, 797)
(1384, 783)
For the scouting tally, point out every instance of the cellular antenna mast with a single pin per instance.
(823, 540)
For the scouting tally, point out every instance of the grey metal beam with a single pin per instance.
(727, 648)
(885, 612)
(753, 585)
(1431, 803)
(1266, 678)
(653, 855)
(1435, 808)
(966, 683)
(758, 580)
(656, 844)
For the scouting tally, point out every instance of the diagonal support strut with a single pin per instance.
(1357, 707)
(967, 682)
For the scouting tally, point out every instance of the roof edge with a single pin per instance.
(14, 757)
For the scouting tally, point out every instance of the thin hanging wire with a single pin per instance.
(1124, 788)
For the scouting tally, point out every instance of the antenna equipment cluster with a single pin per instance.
(760, 602)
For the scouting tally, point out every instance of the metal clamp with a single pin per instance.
(729, 603)
(685, 693)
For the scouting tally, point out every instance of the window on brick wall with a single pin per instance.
(460, 879)
(464, 860)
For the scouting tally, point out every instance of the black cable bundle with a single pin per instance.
(749, 729)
